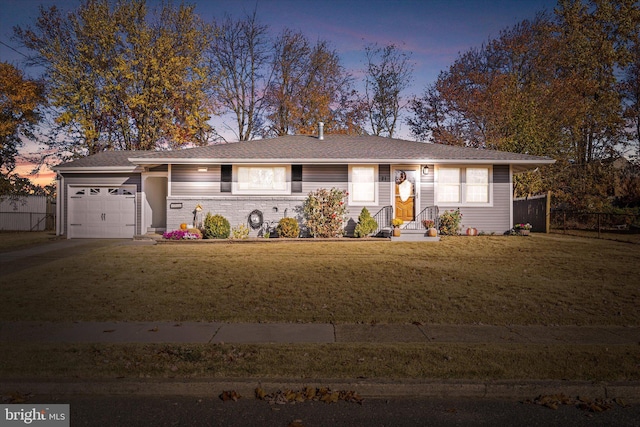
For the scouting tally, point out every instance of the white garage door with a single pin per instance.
(101, 212)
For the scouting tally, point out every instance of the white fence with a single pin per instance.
(27, 213)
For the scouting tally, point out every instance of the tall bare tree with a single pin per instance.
(389, 71)
(290, 65)
(309, 85)
(631, 92)
(239, 57)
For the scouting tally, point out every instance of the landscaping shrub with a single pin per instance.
(288, 227)
(195, 232)
(216, 227)
(450, 222)
(240, 231)
(324, 212)
(191, 234)
(366, 224)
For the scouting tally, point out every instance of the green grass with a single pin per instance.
(536, 280)
(309, 361)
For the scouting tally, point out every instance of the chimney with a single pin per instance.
(320, 131)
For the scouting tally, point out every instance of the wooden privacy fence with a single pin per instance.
(533, 210)
(26, 213)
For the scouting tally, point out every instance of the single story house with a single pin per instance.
(120, 194)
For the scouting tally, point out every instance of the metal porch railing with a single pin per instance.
(430, 212)
(384, 216)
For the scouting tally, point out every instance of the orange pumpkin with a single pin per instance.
(183, 226)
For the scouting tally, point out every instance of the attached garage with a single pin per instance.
(101, 212)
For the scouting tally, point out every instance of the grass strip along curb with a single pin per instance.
(398, 361)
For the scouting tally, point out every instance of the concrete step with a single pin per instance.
(414, 236)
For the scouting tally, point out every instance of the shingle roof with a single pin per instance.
(102, 160)
(310, 149)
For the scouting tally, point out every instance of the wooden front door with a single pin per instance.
(405, 188)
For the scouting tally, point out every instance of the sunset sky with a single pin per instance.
(435, 31)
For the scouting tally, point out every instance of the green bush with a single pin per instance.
(366, 224)
(240, 231)
(324, 212)
(288, 227)
(216, 227)
(450, 222)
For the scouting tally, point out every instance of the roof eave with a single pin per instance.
(94, 169)
(155, 161)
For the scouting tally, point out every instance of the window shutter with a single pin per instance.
(225, 178)
(296, 178)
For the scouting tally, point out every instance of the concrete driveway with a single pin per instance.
(10, 262)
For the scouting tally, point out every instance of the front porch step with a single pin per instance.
(414, 236)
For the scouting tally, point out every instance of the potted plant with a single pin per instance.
(430, 225)
(522, 229)
(396, 223)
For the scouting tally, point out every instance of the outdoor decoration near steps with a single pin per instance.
(430, 224)
(396, 223)
(471, 231)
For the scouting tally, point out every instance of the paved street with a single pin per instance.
(135, 411)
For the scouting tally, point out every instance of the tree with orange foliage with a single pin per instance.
(20, 100)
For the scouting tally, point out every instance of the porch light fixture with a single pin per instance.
(425, 170)
(204, 169)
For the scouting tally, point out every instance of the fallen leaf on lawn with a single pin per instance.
(108, 330)
(260, 393)
(552, 401)
(310, 392)
(230, 395)
(598, 405)
(296, 423)
(620, 402)
(153, 329)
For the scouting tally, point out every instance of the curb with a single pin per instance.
(513, 390)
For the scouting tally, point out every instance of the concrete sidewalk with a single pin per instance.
(257, 333)
(214, 332)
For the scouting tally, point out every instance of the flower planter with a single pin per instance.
(523, 232)
(396, 231)
(432, 232)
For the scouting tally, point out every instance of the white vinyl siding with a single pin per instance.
(363, 185)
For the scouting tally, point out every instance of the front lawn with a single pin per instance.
(537, 280)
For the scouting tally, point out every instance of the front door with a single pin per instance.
(405, 194)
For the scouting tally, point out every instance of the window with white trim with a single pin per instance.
(463, 185)
(449, 185)
(363, 185)
(262, 179)
(477, 185)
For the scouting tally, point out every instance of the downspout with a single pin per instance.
(320, 131)
(60, 185)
